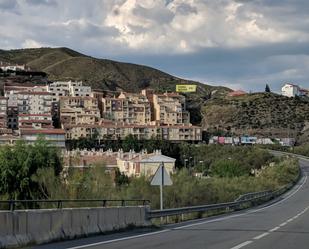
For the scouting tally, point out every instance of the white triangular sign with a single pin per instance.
(161, 177)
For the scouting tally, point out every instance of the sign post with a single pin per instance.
(161, 178)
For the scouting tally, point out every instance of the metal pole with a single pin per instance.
(161, 186)
(161, 189)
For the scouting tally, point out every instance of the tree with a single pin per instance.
(267, 88)
(18, 165)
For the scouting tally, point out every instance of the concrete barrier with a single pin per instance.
(24, 227)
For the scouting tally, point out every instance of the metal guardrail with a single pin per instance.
(238, 204)
(37, 204)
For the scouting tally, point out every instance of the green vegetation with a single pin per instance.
(259, 114)
(31, 172)
(19, 165)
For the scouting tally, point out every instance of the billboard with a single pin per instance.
(185, 88)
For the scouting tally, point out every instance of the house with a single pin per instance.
(137, 164)
(290, 90)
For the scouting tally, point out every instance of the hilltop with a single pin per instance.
(262, 114)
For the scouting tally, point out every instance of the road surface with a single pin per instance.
(283, 224)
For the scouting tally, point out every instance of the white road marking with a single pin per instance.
(283, 224)
(260, 236)
(116, 240)
(242, 244)
(274, 229)
(289, 220)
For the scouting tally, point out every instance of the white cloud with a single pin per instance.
(29, 43)
(168, 29)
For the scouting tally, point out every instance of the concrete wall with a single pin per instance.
(24, 227)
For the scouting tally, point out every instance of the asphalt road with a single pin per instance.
(283, 224)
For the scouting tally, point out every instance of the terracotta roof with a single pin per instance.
(35, 121)
(34, 115)
(34, 93)
(41, 131)
(236, 93)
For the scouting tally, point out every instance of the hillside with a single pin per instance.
(264, 114)
(64, 63)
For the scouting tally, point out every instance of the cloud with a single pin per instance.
(9, 5)
(238, 42)
(42, 2)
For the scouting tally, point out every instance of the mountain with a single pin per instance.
(258, 114)
(65, 64)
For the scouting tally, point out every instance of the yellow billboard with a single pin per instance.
(185, 88)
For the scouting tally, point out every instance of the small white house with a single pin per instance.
(290, 90)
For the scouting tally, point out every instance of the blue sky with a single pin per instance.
(242, 44)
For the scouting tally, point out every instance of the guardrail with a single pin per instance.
(39, 204)
(243, 201)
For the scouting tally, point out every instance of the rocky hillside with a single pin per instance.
(264, 114)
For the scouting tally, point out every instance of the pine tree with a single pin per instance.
(267, 88)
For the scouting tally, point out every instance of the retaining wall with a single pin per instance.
(23, 227)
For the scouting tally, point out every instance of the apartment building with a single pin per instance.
(120, 131)
(79, 110)
(169, 109)
(55, 136)
(3, 112)
(68, 88)
(127, 108)
(34, 102)
(35, 121)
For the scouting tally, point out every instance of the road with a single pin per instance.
(283, 224)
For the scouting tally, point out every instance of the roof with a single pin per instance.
(42, 131)
(34, 93)
(158, 159)
(236, 93)
(34, 115)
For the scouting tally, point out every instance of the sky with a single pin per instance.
(241, 44)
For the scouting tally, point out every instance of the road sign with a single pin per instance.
(161, 178)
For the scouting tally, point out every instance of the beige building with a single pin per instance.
(35, 121)
(129, 163)
(120, 131)
(137, 164)
(55, 136)
(127, 108)
(169, 109)
(3, 112)
(79, 110)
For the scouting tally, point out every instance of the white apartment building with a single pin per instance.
(34, 102)
(290, 90)
(68, 88)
